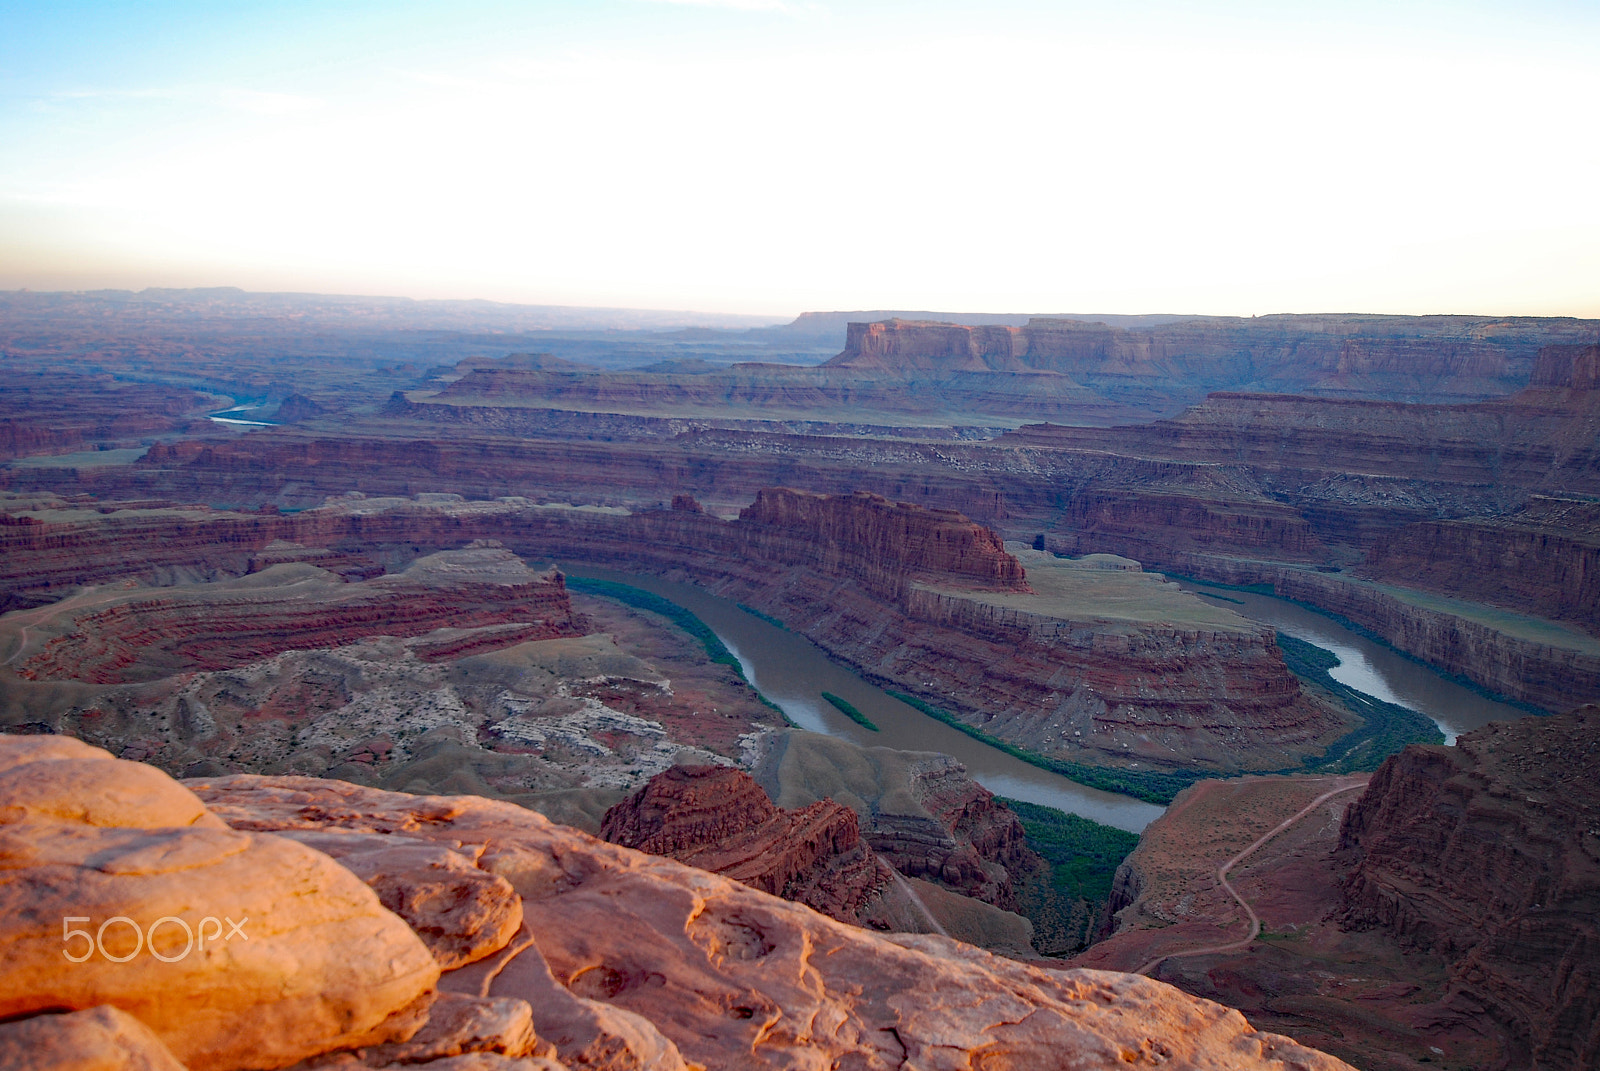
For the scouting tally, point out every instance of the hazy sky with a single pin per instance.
(777, 155)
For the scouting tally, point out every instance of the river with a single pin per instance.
(793, 672)
(1369, 666)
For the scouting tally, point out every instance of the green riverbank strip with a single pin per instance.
(849, 710)
(1083, 854)
(768, 618)
(1150, 786)
(685, 619)
(1385, 727)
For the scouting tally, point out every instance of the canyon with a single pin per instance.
(1108, 666)
(358, 625)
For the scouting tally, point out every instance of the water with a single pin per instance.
(793, 672)
(221, 416)
(1370, 667)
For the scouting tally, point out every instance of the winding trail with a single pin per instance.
(1222, 877)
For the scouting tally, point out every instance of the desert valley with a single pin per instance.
(881, 689)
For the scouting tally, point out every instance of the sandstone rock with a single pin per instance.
(98, 792)
(719, 819)
(736, 978)
(461, 913)
(102, 1038)
(586, 1033)
(458, 1025)
(919, 811)
(883, 543)
(315, 962)
(1488, 853)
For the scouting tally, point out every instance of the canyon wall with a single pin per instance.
(1488, 853)
(1437, 358)
(1110, 692)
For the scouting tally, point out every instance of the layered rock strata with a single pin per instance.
(122, 636)
(720, 820)
(921, 598)
(1488, 854)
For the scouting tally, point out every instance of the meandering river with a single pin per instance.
(1369, 666)
(793, 672)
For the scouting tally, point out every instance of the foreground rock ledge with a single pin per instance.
(735, 978)
(620, 961)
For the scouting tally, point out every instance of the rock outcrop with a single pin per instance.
(635, 961)
(920, 811)
(880, 543)
(1488, 854)
(720, 820)
(315, 962)
(1433, 358)
(128, 636)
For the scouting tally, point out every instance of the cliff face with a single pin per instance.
(1546, 555)
(1488, 853)
(1567, 368)
(720, 820)
(882, 543)
(57, 414)
(1436, 358)
(920, 811)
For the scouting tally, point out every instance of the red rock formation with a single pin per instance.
(1546, 555)
(632, 960)
(1150, 526)
(883, 543)
(1488, 853)
(1168, 694)
(719, 819)
(144, 636)
(1567, 368)
(1436, 358)
(58, 413)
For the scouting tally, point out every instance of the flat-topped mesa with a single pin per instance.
(904, 347)
(884, 543)
(1414, 358)
(719, 819)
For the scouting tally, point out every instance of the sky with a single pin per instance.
(774, 156)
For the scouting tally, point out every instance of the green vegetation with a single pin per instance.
(640, 599)
(1385, 727)
(768, 618)
(1152, 786)
(1066, 901)
(849, 710)
(1083, 854)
